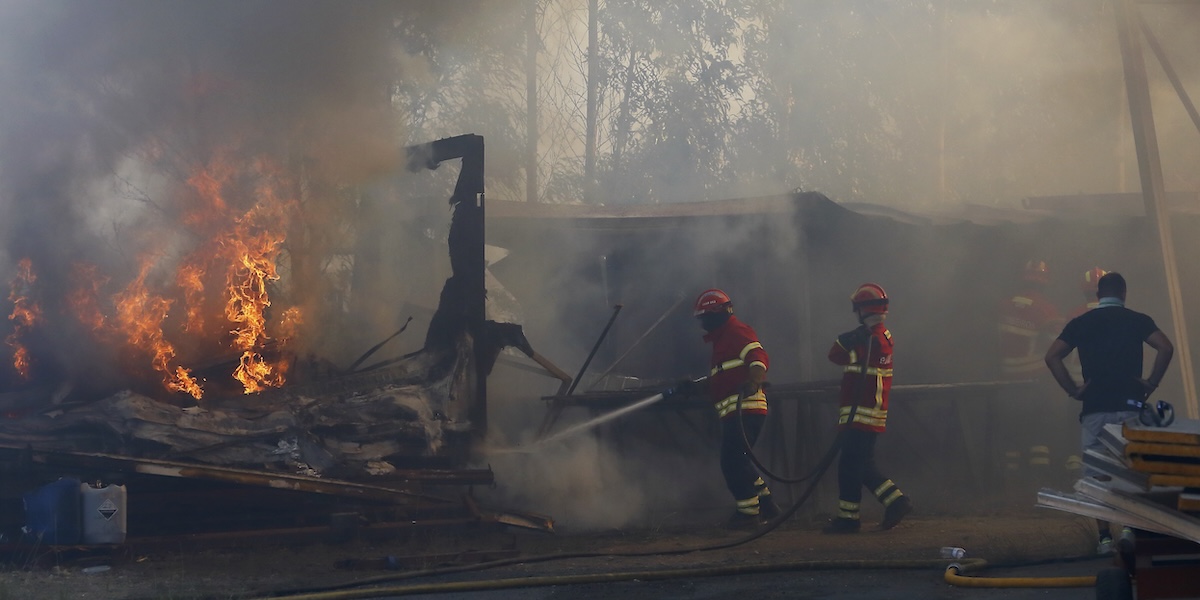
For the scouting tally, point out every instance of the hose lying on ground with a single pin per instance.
(715, 571)
(953, 576)
(821, 467)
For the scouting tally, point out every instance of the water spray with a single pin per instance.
(600, 420)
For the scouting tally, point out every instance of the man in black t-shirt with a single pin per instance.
(1109, 338)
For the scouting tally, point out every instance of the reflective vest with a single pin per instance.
(735, 347)
(866, 380)
(1025, 326)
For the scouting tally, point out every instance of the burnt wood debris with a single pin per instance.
(366, 452)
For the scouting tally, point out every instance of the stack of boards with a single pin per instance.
(1151, 479)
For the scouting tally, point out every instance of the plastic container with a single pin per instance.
(52, 513)
(104, 515)
(953, 552)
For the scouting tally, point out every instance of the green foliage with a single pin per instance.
(898, 102)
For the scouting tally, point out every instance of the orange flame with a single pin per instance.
(250, 249)
(140, 315)
(191, 280)
(247, 281)
(289, 325)
(84, 297)
(25, 314)
(229, 275)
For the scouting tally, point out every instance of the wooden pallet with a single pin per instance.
(1182, 431)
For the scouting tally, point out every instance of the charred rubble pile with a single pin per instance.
(343, 427)
(388, 435)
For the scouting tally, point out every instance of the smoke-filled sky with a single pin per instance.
(981, 102)
(108, 110)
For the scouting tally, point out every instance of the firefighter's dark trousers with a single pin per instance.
(740, 475)
(856, 470)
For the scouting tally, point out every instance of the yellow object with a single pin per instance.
(953, 577)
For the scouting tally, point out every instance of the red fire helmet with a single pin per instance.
(1036, 271)
(711, 301)
(1087, 285)
(870, 298)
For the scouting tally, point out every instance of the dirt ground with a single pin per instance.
(1001, 538)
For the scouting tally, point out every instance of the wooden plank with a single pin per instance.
(1175, 480)
(1189, 500)
(1164, 467)
(1146, 449)
(167, 468)
(1182, 431)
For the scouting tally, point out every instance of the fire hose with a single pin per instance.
(613, 577)
(954, 573)
(345, 590)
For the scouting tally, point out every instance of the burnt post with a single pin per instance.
(462, 306)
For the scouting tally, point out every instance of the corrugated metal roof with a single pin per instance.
(504, 209)
(1083, 207)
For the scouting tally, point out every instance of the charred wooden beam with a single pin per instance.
(166, 468)
(463, 303)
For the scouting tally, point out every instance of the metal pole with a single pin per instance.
(1153, 190)
(636, 342)
(595, 347)
(1170, 71)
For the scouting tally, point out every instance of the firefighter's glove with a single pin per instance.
(750, 388)
(684, 388)
(855, 337)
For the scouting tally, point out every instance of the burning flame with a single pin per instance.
(191, 280)
(223, 283)
(250, 249)
(25, 314)
(84, 297)
(140, 316)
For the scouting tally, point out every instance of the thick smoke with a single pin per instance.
(112, 108)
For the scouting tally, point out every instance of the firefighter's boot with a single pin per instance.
(743, 521)
(1072, 471)
(767, 508)
(1039, 473)
(1013, 472)
(842, 525)
(747, 514)
(895, 512)
(847, 520)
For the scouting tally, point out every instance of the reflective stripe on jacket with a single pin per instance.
(866, 380)
(1027, 322)
(735, 347)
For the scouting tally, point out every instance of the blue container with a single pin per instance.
(52, 513)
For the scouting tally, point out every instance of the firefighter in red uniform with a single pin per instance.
(739, 368)
(1027, 323)
(865, 354)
